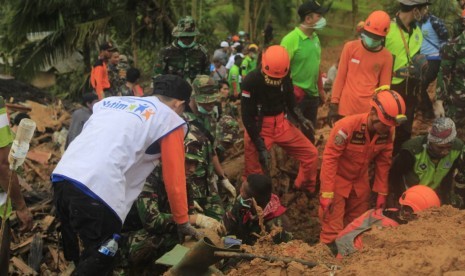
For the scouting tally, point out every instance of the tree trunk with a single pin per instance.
(86, 55)
(133, 42)
(194, 10)
(354, 12)
(246, 16)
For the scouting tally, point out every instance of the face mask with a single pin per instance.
(203, 110)
(182, 45)
(247, 203)
(319, 25)
(369, 42)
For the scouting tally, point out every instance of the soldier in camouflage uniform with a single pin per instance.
(204, 105)
(457, 25)
(150, 229)
(184, 57)
(229, 134)
(450, 89)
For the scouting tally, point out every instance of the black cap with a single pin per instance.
(311, 7)
(107, 46)
(172, 86)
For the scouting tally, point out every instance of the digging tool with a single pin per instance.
(248, 256)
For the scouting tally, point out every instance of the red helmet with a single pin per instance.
(420, 197)
(378, 23)
(235, 38)
(276, 62)
(390, 107)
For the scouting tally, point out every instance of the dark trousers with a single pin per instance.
(408, 89)
(5, 249)
(431, 74)
(309, 106)
(92, 221)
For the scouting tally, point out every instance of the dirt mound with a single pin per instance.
(431, 245)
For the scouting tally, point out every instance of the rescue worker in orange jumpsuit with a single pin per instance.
(267, 103)
(364, 65)
(99, 74)
(353, 143)
(413, 200)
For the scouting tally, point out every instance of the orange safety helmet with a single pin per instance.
(378, 23)
(420, 197)
(276, 62)
(463, 14)
(235, 38)
(390, 107)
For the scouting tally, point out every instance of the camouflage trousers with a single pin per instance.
(212, 206)
(457, 114)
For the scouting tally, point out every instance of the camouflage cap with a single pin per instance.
(228, 128)
(186, 27)
(193, 149)
(442, 131)
(206, 89)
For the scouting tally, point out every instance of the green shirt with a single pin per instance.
(247, 65)
(6, 138)
(305, 55)
(395, 45)
(234, 77)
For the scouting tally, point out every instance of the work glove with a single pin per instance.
(381, 201)
(307, 124)
(333, 114)
(230, 188)
(438, 108)
(210, 223)
(186, 229)
(299, 94)
(326, 199)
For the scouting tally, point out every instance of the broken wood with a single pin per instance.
(17, 107)
(21, 245)
(46, 222)
(37, 170)
(22, 266)
(39, 156)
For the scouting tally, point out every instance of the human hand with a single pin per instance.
(229, 188)
(438, 108)
(333, 114)
(186, 229)
(210, 223)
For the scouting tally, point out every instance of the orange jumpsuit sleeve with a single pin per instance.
(172, 157)
(385, 76)
(383, 164)
(335, 147)
(341, 75)
(99, 79)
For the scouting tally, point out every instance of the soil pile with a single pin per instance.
(433, 244)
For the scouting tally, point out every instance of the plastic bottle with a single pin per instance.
(110, 247)
(20, 145)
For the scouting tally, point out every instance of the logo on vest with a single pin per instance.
(423, 166)
(142, 109)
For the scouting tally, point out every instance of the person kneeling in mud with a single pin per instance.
(255, 200)
(413, 200)
(150, 231)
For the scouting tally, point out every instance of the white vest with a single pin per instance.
(109, 156)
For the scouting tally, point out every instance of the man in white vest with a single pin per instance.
(103, 171)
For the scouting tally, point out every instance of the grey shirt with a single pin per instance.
(78, 120)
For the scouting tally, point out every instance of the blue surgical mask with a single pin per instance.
(370, 43)
(182, 45)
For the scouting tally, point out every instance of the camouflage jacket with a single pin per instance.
(451, 76)
(202, 178)
(115, 80)
(187, 63)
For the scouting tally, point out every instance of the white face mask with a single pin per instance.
(319, 25)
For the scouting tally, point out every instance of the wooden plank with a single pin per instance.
(23, 267)
(46, 222)
(17, 107)
(39, 156)
(23, 244)
(37, 170)
(24, 184)
(54, 253)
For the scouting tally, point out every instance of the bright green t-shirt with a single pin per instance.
(234, 76)
(305, 55)
(6, 138)
(248, 65)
